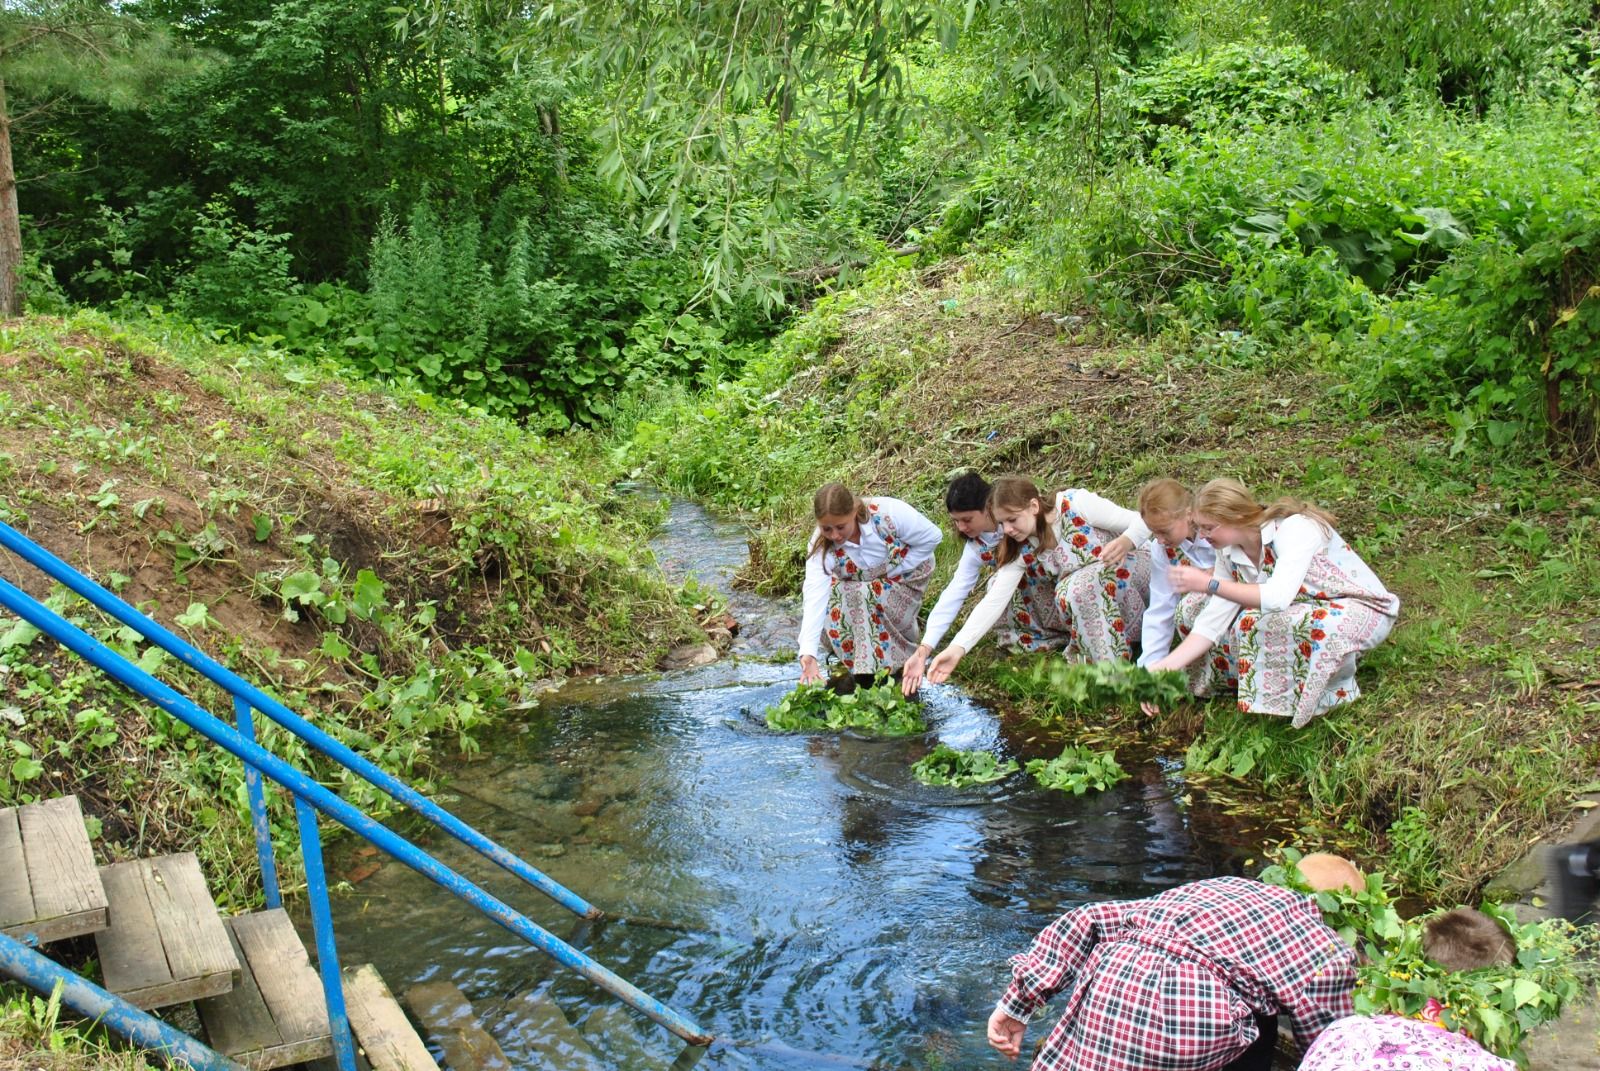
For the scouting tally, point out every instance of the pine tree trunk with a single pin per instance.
(10, 226)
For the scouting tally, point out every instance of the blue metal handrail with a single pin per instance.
(247, 696)
(39, 972)
(308, 795)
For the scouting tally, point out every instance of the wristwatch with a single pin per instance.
(1211, 588)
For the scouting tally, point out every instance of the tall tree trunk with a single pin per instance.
(10, 226)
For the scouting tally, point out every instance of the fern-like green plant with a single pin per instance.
(1077, 770)
(879, 710)
(945, 765)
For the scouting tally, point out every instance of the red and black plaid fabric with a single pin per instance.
(1174, 983)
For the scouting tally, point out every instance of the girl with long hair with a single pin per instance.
(1078, 562)
(1167, 507)
(867, 567)
(1290, 598)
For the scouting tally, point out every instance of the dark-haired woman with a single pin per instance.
(1081, 559)
(867, 567)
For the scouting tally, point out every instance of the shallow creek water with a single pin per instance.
(798, 895)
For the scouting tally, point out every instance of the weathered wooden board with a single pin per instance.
(276, 1015)
(380, 1024)
(50, 888)
(166, 943)
(447, 1016)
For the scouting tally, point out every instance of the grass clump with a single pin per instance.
(877, 710)
(947, 766)
(1496, 1006)
(1077, 770)
(1062, 690)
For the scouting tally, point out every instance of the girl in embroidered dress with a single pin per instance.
(867, 567)
(1167, 509)
(1288, 596)
(1460, 940)
(1081, 566)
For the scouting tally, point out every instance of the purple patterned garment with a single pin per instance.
(1390, 1043)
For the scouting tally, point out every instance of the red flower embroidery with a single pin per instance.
(1118, 625)
(1077, 521)
(1244, 667)
(848, 646)
(1318, 634)
(883, 636)
(1341, 693)
(1244, 708)
(1111, 587)
(833, 615)
(1318, 614)
(1246, 623)
(1024, 618)
(1220, 663)
(833, 633)
(1027, 559)
(1305, 649)
(1080, 540)
(1123, 574)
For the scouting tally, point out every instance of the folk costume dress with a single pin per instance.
(1167, 608)
(862, 598)
(1391, 1043)
(1067, 589)
(1176, 982)
(1029, 615)
(1321, 606)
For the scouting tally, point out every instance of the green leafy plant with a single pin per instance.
(1496, 1006)
(1077, 770)
(945, 765)
(1063, 689)
(879, 710)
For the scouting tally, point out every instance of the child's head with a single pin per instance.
(967, 500)
(839, 513)
(1167, 506)
(1466, 939)
(1016, 505)
(1326, 872)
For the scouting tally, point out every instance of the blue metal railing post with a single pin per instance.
(258, 809)
(220, 733)
(237, 686)
(39, 972)
(344, 1049)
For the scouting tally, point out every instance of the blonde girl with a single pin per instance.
(1080, 561)
(1167, 509)
(1294, 603)
(867, 567)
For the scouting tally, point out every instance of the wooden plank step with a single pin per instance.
(448, 1018)
(166, 943)
(386, 1037)
(535, 1032)
(276, 1015)
(625, 1039)
(49, 888)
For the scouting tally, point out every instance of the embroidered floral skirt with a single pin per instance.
(1105, 606)
(1301, 661)
(1035, 621)
(1219, 669)
(1389, 1043)
(872, 620)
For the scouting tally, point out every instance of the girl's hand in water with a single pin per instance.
(810, 671)
(1005, 1033)
(911, 675)
(942, 666)
(1116, 550)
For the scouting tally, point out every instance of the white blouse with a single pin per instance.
(919, 534)
(1100, 512)
(1155, 636)
(1295, 541)
(968, 570)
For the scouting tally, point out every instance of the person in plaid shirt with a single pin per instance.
(1190, 980)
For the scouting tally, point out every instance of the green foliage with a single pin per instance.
(1062, 690)
(234, 273)
(945, 765)
(1077, 770)
(1237, 84)
(1496, 1006)
(877, 710)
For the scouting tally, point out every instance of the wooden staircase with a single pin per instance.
(162, 942)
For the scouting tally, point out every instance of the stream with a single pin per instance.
(798, 895)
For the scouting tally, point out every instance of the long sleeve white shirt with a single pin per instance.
(1295, 541)
(919, 534)
(1155, 636)
(1100, 512)
(968, 570)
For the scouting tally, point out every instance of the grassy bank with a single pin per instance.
(398, 569)
(1481, 720)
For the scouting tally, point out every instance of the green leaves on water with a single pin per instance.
(1078, 769)
(879, 710)
(945, 765)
